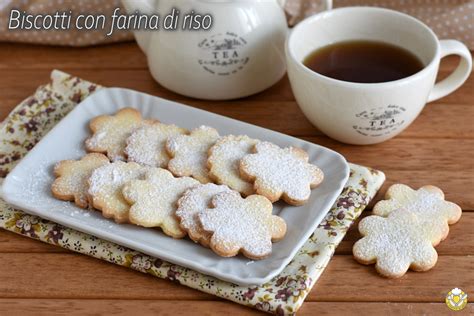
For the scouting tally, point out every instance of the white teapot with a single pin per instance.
(240, 55)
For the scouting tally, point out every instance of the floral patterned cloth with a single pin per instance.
(447, 18)
(30, 121)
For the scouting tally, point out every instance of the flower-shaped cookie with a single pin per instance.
(281, 173)
(72, 176)
(239, 224)
(190, 153)
(111, 132)
(191, 204)
(105, 188)
(395, 243)
(224, 159)
(427, 203)
(146, 145)
(154, 200)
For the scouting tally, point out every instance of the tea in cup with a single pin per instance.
(363, 74)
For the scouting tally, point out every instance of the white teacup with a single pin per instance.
(361, 113)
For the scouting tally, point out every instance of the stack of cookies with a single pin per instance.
(218, 190)
(405, 229)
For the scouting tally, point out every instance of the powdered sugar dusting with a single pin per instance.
(154, 200)
(146, 145)
(279, 171)
(99, 137)
(430, 205)
(190, 153)
(395, 243)
(427, 204)
(224, 160)
(191, 203)
(73, 176)
(111, 133)
(37, 186)
(105, 185)
(242, 224)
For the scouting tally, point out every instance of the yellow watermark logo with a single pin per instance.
(456, 299)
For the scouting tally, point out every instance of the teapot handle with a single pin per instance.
(328, 4)
(145, 6)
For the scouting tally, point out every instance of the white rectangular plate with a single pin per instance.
(27, 187)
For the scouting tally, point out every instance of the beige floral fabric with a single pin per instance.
(448, 18)
(453, 19)
(71, 37)
(284, 294)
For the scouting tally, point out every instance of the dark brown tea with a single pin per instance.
(363, 62)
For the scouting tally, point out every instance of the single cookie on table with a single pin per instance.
(110, 132)
(146, 145)
(72, 176)
(154, 200)
(105, 188)
(281, 173)
(223, 162)
(427, 203)
(395, 244)
(242, 225)
(189, 153)
(191, 203)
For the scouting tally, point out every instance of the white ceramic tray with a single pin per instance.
(27, 187)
